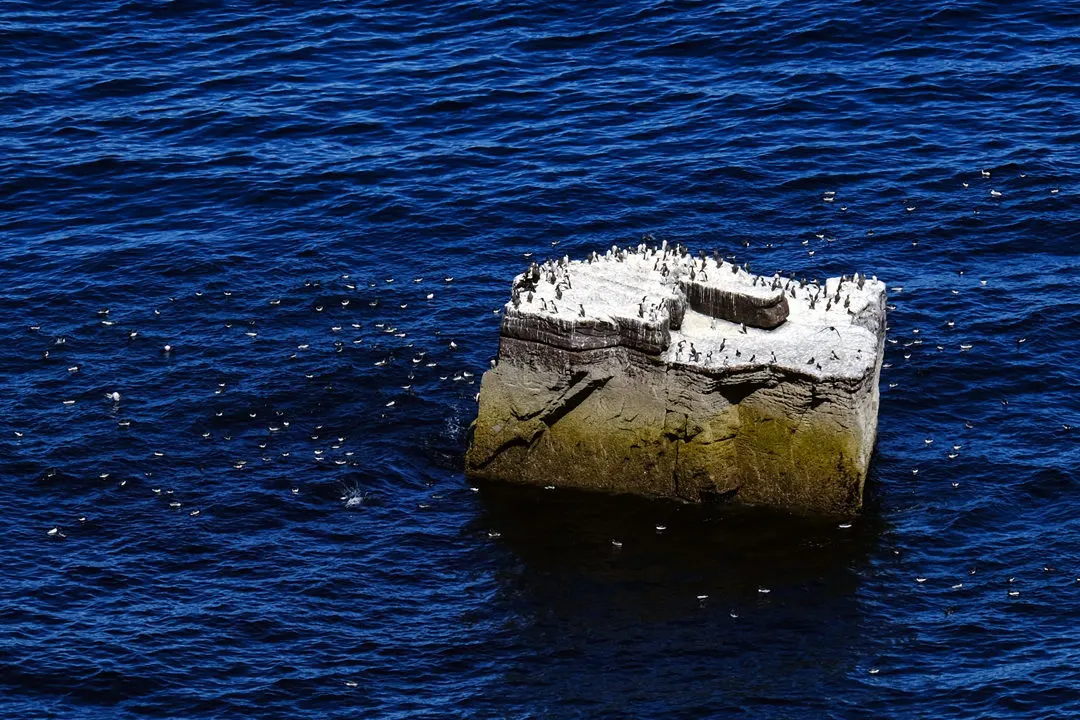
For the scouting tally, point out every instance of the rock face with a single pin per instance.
(651, 371)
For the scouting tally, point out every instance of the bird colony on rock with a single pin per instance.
(653, 371)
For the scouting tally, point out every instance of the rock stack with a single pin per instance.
(652, 371)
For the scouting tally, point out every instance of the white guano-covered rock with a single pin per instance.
(652, 371)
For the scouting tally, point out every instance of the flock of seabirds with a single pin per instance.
(393, 348)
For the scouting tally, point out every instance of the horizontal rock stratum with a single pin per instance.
(652, 371)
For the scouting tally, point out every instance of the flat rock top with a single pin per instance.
(831, 330)
(815, 342)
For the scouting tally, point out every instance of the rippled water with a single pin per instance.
(289, 194)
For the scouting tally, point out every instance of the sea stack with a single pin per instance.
(651, 371)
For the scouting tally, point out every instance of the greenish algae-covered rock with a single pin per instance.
(610, 379)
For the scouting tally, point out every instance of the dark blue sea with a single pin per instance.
(249, 219)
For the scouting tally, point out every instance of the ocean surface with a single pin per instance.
(263, 224)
